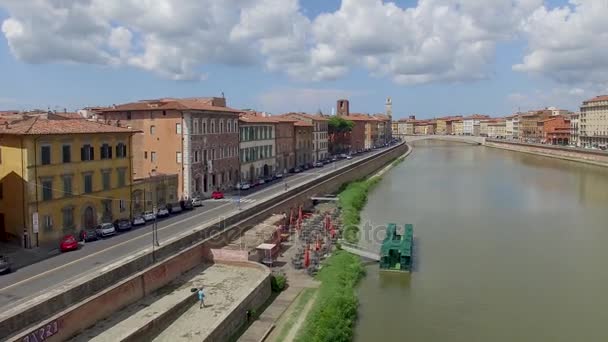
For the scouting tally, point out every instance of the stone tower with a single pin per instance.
(343, 108)
(389, 107)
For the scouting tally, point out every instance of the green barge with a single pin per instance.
(396, 250)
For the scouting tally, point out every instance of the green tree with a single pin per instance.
(339, 130)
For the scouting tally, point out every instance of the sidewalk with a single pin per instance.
(21, 257)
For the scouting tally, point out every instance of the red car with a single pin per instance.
(217, 195)
(68, 243)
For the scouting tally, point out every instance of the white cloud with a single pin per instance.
(302, 99)
(563, 97)
(568, 44)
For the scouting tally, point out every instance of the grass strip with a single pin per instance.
(304, 297)
(334, 312)
(351, 201)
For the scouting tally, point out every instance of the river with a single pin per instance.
(507, 247)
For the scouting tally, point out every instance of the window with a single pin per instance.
(212, 129)
(105, 180)
(178, 157)
(145, 154)
(205, 127)
(121, 150)
(153, 156)
(47, 190)
(128, 115)
(221, 126)
(122, 205)
(87, 153)
(88, 183)
(68, 217)
(66, 153)
(106, 151)
(122, 177)
(178, 128)
(195, 126)
(196, 156)
(47, 222)
(107, 209)
(45, 155)
(1, 191)
(152, 130)
(67, 186)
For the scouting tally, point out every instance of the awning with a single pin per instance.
(266, 246)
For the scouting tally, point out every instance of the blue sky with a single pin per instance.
(264, 84)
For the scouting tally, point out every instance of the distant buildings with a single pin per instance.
(319, 131)
(556, 130)
(574, 129)
(593, 122)
(497, 129)
(469, 123)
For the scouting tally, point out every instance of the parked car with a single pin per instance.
(139, 221)
(186, 204)
(162, 212)
(349, 157)
(149, 216)
(122, 225)
(260, 181)
(279, 175)
(105, 229)
(306, 167)
(217, 195)
(318, 164)
(88, 234)
(197, 202)
(68, 243)
(245, 186)
(269, 179)
(5, 265)
(334, 159)
(297, 170)
(174, 208)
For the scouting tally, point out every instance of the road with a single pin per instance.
(59, 271)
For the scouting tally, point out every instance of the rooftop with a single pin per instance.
(193, 103)
(597, 99)
(42, 126)
(307, 116)
(248, 118)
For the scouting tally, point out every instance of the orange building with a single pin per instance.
(556, 131)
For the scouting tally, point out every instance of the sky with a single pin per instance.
(432, 57)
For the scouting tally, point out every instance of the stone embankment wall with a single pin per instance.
(99, 295)
(585, 156)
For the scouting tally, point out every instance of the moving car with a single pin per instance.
(149, 216)
(88, 234)
(105, 229)
(217, 195)
(139, 221)
(68, 243)
(197, 202)
(5, 265)
(122, 224)
(349, 157)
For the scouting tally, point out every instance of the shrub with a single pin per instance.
(278, 282)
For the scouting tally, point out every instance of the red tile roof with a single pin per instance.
(256, 119)
(597, 99)
(302, 124)
(307, 116)
(41, 126)
(203, 104)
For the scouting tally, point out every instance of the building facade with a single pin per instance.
(574, 127)
(531, 127)
(60, 176)
(285, 140)
(457, 127)
(593, 122)
(303, 132)
(257, 147)
(497, 130)
(469, 123)
(556, 130)
(152, 192)
(320, 134)
(195, 138)
(358, 133)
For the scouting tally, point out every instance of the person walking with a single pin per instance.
(201, 298)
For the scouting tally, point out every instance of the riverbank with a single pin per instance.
(334, 311)
(353, 198)
(598, 158)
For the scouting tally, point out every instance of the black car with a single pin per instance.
(5, 265)
(186, 204)
(122, 225)
(88, 234)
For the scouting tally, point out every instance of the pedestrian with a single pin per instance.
(201, 298)
(286, 186)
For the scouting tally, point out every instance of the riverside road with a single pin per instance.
(59, 271)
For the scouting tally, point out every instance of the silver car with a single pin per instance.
(149, 216)
(105, 229)
(197, 202)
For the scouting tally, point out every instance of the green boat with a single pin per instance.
(396, 250)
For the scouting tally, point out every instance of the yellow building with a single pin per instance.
(442, 126)
(457, 127)
(64, 174)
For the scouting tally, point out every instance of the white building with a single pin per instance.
(574, 128)
(512, 127)
(257, 147)
(469, 123)
(593, 122)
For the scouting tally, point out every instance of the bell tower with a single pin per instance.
(389, 107)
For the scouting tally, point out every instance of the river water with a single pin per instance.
(508, 247)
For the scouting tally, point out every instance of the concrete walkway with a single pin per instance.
(297, 280)
(225, 286)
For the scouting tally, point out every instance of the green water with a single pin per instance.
(508, 247)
